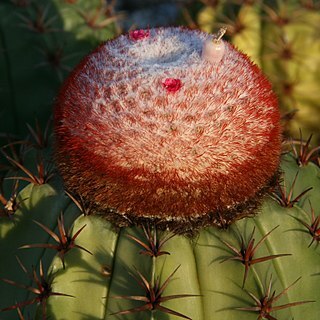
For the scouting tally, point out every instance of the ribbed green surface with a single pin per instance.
(218, 286)
(307, 176)
(96, 281)
(200, 273)
(40, 43)
(42, 203)
(85, 276)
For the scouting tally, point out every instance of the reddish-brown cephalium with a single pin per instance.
(146, 127)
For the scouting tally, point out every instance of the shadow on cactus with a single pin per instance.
(169, 143)
(41, 42)
(43, 289)
(265, 305)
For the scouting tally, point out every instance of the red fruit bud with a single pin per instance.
(172, 85)
(139, 34)
(203, 154)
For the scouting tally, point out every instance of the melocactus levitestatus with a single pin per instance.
(147, 127)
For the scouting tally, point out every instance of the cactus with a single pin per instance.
(135, 252)
(281, 37)
(41, 41)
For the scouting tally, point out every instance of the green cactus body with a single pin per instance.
(217, 286)
(97, 280)
(120, 264)
(41, 203)
(41, 41)
(304, 175)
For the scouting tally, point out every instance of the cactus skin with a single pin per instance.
(40, 203)
(200, 273)
(96, 279)
(281, 37)
(40, 43)
(29, 191)
(204, 286)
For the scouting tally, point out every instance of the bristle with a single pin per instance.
(128, 144)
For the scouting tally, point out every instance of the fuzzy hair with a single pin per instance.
(127, 144)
